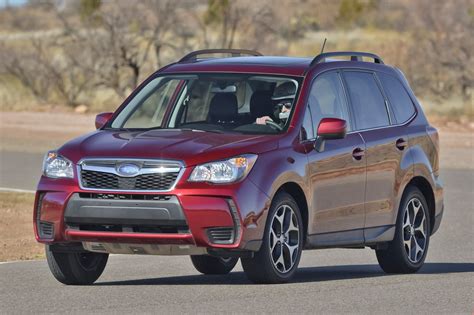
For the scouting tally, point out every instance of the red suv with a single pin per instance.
(248, 157)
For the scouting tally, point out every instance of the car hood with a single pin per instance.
(190, 146)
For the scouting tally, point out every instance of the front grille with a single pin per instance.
(221, 235)
(46, 230)
(152, 175)
(100, 180)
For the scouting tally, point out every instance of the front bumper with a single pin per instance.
(196, 214)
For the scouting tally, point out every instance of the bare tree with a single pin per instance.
(123, 40)
(443, 49)
(27, 66)
(238, 23)
(162, 20)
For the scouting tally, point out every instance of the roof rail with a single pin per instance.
(355, 56)
(192, 56)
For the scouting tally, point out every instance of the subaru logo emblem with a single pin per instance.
(128, 169)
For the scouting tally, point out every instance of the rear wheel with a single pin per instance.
(210, 265)
(76, 268)
(280, 253)
(407, 252)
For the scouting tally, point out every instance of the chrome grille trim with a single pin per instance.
(112, 170)
(147, 167)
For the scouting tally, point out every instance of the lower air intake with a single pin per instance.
(46, 230)
(222, 235)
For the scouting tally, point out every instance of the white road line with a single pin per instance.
(43, 259)
(18, 261)
(17, 190)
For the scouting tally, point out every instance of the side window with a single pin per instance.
(398, 97)
(327, 99)
(367, 101)
(151, 112)
(308, 131)
(198, 103)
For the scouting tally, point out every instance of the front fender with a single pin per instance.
(275, 168)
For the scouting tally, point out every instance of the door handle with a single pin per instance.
(358, 153)
(401, 144)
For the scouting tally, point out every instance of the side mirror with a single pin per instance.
(329, 129)
(101, 119)
(332, 128)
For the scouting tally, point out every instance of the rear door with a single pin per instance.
(337, 178)
(386, 142)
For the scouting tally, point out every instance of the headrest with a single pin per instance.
(261, 104)
(223, 108)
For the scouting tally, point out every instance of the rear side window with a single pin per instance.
(398, 97)
(367, 101)
(327, 99)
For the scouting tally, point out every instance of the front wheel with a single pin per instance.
(76, 268)
(210, 265)
(407, 252)
(280, 253)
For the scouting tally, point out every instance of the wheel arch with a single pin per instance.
(295, 190)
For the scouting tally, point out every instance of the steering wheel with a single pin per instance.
(273, 124)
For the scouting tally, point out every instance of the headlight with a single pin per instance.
(56, 166)
(227, 171)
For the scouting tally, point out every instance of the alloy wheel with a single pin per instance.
(414, 230)
(284, 240)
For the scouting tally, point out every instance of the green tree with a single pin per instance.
(351, 11)
(87, 8)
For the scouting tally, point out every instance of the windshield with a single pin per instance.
(221, 103)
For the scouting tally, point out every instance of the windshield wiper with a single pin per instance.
(205, 130)
(119, 129)
(132, 129)
(151, 128)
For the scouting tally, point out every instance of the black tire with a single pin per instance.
(395, 259)
(261, 268)
(76, 268)
(210, 265)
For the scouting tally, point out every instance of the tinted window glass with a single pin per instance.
(198, 102)
(152, 109)
(327, 99)
(218, 102)
(402, 105)
(308, 132)
(367, 101)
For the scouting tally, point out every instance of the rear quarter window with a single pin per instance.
(368, 103)
(398, 97)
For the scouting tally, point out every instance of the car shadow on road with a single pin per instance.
(304, 274)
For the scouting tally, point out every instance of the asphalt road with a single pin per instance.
(328, 281)
(20, 170)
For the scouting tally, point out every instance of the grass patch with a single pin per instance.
(17, 239)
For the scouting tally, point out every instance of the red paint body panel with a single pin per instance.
(264, 65)
(204, 205)
(191, 147)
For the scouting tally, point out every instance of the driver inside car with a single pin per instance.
(284, 95)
